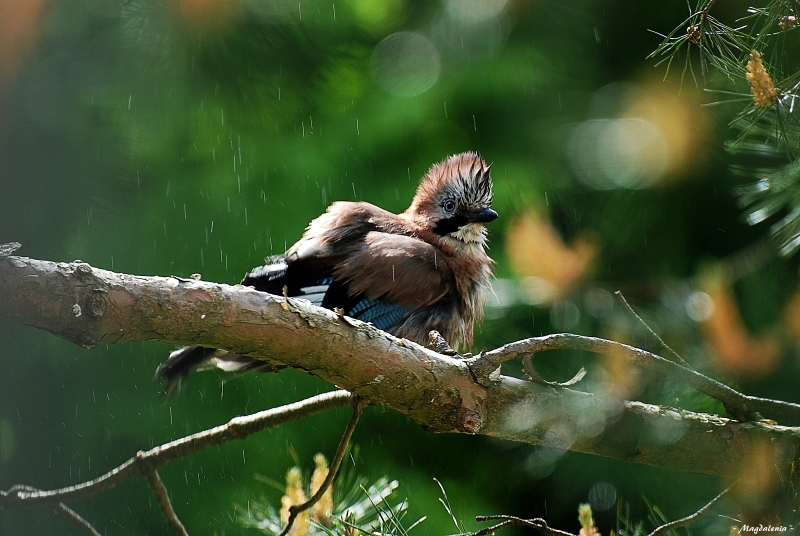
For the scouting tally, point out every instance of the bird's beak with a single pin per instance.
(483, 215)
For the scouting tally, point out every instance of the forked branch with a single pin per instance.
(90, 306)
(147, 462)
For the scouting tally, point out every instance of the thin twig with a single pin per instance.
(236, 428)
(76, 519)
(490, 530)
(704, 13)
(160, 491)
(690, 518)
(740, 406)
(538, 524)
(541, 525)
(60, 508)
(678, 358)
(296, 509)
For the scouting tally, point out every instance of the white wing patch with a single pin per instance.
(315, 293)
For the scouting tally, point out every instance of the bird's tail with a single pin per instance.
(184, 360)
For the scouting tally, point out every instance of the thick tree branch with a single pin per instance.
(90, 306)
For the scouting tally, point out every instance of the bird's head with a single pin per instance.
(454, 199)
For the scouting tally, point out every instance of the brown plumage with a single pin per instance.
(425, 269)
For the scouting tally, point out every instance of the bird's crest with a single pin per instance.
(465, 176)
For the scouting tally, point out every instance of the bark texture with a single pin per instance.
(90, 306)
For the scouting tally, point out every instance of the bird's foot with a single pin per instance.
(437, 343)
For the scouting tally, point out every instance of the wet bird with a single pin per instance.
(408, 274)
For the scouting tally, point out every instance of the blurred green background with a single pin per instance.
(183, 136)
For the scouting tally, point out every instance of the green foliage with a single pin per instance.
(767, 127)
(142, 138)
(369, 508)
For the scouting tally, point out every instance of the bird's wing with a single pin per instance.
(395, 268)
(345, 224)
(359, 258)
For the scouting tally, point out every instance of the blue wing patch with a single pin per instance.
(379, 313)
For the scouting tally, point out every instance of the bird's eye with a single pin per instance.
(449, 206)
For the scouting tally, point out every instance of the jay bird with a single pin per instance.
(408, 274)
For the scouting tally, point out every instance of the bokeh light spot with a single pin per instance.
(602, 496)
(699, 306)
(617, 153)
(405, 64)
(474, 10)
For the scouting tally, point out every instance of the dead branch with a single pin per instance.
(76, 519)
(677, 358)
(537, 524)
(147, 461)
(741, 406)
(296, 509)
(541, 526)
(691, 518)
(90, 306)
(162, 495)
